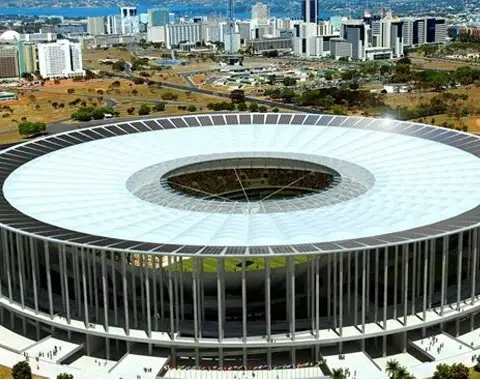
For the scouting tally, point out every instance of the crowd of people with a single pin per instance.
(223, 182)
(257, 367)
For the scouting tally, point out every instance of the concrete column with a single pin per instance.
(147, 296)
(33, 258)
(85, 294)
(268, 317)
(123, 257)
(385, 287)
(459, 268)
(244, 301)
(444, 273)
(425, 279)
(474, 264)
(220, 305)
(195, 296)
(49, 278)
(104, 290)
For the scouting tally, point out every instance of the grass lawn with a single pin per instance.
(474, 374)
(234, 264)
(92, 57)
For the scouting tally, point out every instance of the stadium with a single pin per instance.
(234, 236)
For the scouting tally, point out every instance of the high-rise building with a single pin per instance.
(260, 12)
(158, 17)
(95, 25)
(310, 10)
(408, 31)
(187, 32)
(114, 24)
(171, 18)
(130, 20)
(60, 59)
(27, 57)
(9, 61)
(354, 31)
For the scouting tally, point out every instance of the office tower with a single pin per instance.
(260, 12)
(9, 61)
(407, 31)
(27, 57)
(396, 38)
(130, 20)
(114, 24)
(95, 25)
(60, 59)
(171, 18)
(158, 17)
(310, 10)
(354, 31)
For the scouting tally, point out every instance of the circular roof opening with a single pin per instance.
(250, 179)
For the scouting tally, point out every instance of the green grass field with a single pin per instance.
(235, 264)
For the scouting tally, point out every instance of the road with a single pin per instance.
(290, 107)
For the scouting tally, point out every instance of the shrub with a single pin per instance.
(159, 107)
(275, 109)
(64, 375)
(144, 110)
(169, 96)
(242, 107)
(131, 110)
(192, 108)
(253, 107)
(22, 370)
(28, 128)
(71, 91)
(139, 81)
(262, 109)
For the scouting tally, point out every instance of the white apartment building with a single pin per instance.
(95, 25)
(130, 20)
(157, 33)
(187, 32)
(114, 24)
(60, 59)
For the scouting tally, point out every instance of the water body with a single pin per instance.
(241, 12)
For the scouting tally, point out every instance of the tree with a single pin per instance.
(144, 110)
(392, 368)
(64, 375)
(275, 109)
(289, 81)
(237, 96)
(242, 107)
(253, 107)
(159, 107)
(22, 370)
(443, 371)
(338, 373)
(262, 109)
(354, 86)
(119, 65)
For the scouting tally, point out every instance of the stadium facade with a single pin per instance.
(96, 242)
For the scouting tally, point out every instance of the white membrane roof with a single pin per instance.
(82, 188)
